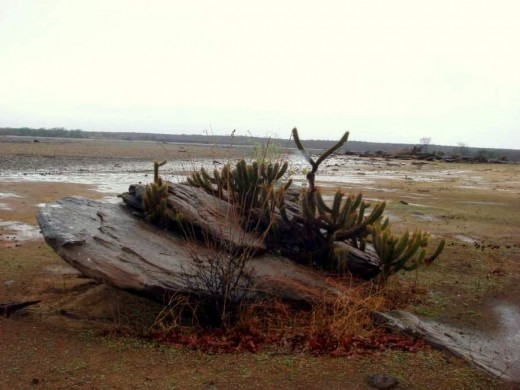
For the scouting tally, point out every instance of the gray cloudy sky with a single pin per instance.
(388, 71)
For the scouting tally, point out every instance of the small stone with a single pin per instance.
(382, 381)
(35, 381)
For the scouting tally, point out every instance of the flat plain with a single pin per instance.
(73, 338)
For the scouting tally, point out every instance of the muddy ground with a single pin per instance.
(62, 342)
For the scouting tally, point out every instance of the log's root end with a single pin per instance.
(7, 309)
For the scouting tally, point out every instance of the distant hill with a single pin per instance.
(352, 146)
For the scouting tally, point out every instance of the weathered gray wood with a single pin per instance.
(364, 265)
(107, 243)
(496, 355)
(7, 309)
(213, 216)
(220, 220)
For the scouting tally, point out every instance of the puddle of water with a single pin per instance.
(418, 205)
(53, 205)
(376, 189)
(482, 203)
(107, 179)
(5, 206)
(8, 195)
(391, 217)
(19, 231)
(113, 179)
(423, 217)
(374, 200)
(463, 238)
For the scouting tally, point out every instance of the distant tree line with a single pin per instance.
(425, 143)
(59, 132)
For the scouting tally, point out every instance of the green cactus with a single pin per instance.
(250, 186)
(312, 227)
(156, 165)
(344, 220)
(316, 164)
(156, 197)
(405, 252)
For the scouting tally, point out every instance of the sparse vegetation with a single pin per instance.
(273, 145)
(326, 237)
(155, 198)
(425, 143)
(481, 203)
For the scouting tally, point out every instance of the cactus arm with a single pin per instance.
(437, 252)
(331, 150)
(156, 165)
(300, 147)
(415, 243)
(282, 171)
(321, 203)
(357, 202)
(361, 213)
(401, 243)
(336, 204)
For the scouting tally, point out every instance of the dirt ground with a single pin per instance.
(72, 338)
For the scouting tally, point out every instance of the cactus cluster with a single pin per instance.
(156, 197)
(250, 186)
(405, 252)
(306, 229)
(344, 220)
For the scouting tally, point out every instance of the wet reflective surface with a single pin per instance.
(15, 231)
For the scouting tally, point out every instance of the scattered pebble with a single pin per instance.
(382, 381)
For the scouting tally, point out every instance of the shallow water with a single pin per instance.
(463, 238)
(8, 195)
(18, 231)
(111, 177)
(482, 203)
(423, 217)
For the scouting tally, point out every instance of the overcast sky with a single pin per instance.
(388, 71)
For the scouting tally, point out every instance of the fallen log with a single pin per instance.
(108, 243)
(494, 354)
(213, 216)
(220, 220)
(7, 309)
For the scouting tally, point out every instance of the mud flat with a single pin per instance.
(472, 289)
